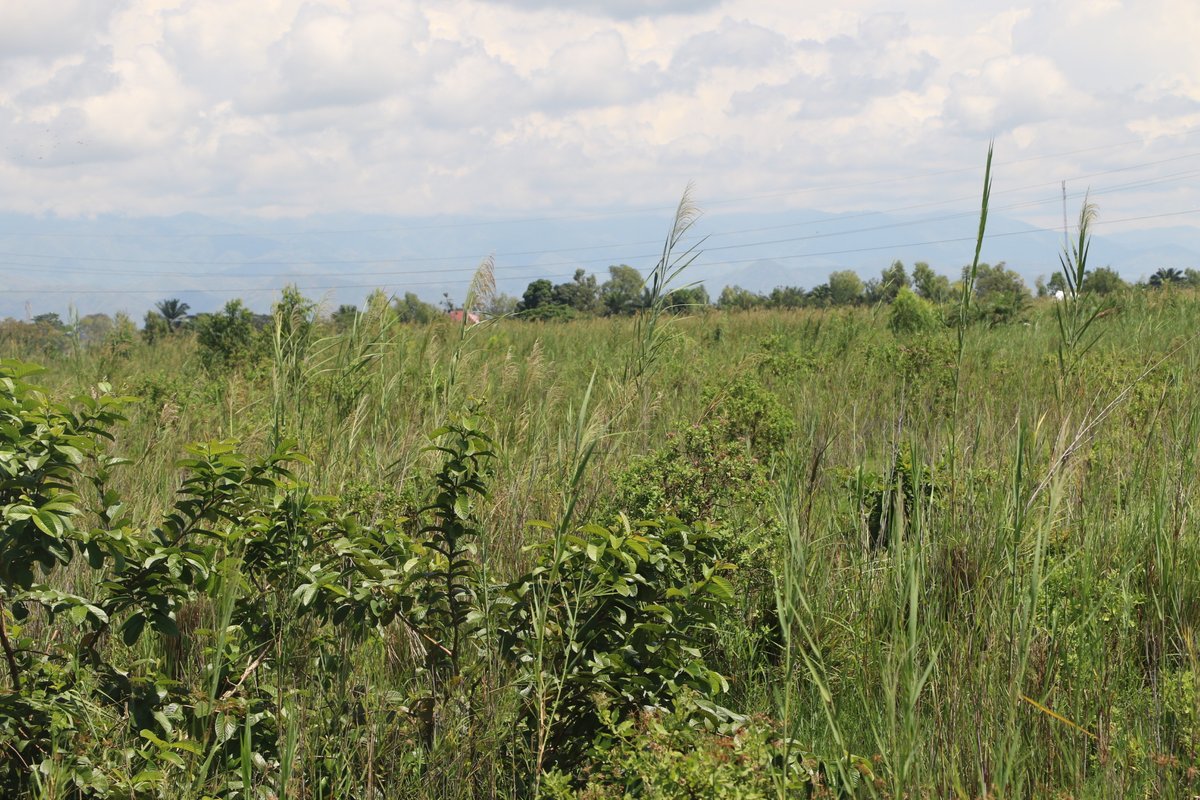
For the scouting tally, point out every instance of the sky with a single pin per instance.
(541, 109)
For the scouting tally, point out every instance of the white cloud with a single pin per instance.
(49, 29)
(1011, 91)
(734, 44)
(596, 71)
(842, 75)
(344, 59)
(297, 106)
(620, 9)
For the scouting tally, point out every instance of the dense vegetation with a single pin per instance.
(939, 544)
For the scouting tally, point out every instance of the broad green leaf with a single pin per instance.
(721, 587)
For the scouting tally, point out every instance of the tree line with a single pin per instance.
(999, 294)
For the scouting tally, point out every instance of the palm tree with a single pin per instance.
(1166, 276)
(173, 311)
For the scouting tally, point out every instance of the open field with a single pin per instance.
(883, 564)
(874, 482)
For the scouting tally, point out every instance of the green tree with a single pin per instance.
(929, 285)
(736, 298)
(845, 287)
(891, 281)
(1056, 284)
(622, 292)
(820, 296)
(1167, 276)
(294, 314)
(581, 293)
(413, 309)
(787, 297)
(1000, 293)
(995, 281)
(343, 318)
(688, 299)
(500, 305)
(174, 312)
(227, 339)
(1103, 281)
(94, 327)
(539, 302)
(154, 327)
(50, 320)
(538, 294)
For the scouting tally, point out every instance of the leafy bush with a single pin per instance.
(412, 309)
(610, 618)
(141, 577)
(700, 474)
(780, 359)
(921, 368)
(666, 755)
(228, 339)
(910, 314)
(717, 471)
(43, 450)
(1103, 280)
(245, 548)
(746, 411)
(1000, 294)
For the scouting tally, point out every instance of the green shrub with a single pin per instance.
(745, 411)
(781, 361)
(911, 314)
(610, 619)
(155, 327)
(700, 474)
(228, 339)
(713, 467)
(667, 756)
(920, 369)
(1000, 294)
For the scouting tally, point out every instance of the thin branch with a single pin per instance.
(13, 668)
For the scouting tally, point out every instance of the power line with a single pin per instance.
(250, 290)
(849, 251)
(953, 240)
(410, 259)
(55, 268)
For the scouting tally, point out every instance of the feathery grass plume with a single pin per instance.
(1074, 258)
(348, 368)
(481, 291)
(650, 337)
(294, 319)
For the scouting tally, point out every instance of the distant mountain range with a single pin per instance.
(109, 264)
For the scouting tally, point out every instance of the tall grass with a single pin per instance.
(1022, 623)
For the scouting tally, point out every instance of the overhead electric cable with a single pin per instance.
(849, 251)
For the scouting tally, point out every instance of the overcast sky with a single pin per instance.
(519, 107)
